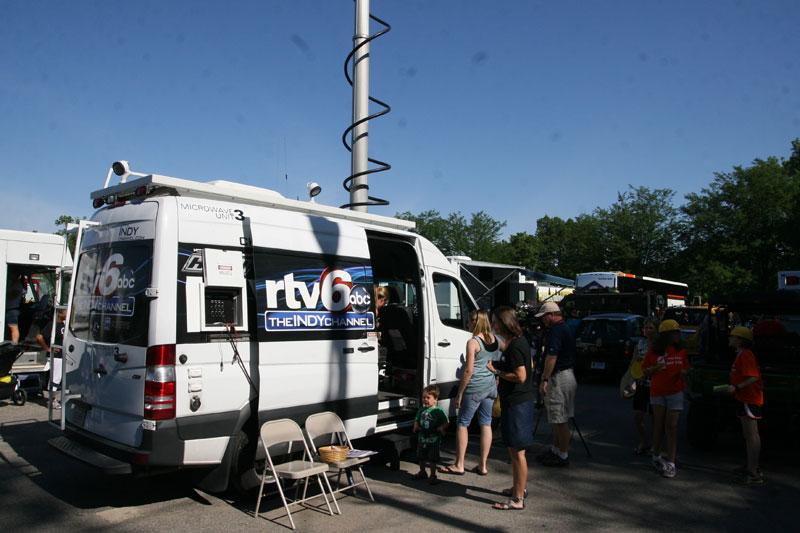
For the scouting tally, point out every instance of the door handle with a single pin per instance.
(121, 357)
(444, 343)
(101, 370)
(364, 349)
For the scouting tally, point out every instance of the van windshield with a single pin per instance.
(109, 304)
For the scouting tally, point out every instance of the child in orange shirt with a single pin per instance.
(747, 388)
(666, 364)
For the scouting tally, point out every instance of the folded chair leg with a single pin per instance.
(322, 489)
(285, 505)
(361, 471)
(260, 493)
(333, 494)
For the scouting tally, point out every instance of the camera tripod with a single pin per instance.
(540, 406)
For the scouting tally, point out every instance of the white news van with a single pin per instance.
(201, 310)
(28, 262)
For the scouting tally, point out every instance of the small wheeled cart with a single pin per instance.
(9, 384)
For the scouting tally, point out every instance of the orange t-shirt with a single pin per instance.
(668, 380)
(746, 366)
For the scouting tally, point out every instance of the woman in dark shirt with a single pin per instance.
(516, 401)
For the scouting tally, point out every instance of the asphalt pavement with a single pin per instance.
(613, 490)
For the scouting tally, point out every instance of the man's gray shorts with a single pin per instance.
(560, 398)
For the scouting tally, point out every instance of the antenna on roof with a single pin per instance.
(356, 183)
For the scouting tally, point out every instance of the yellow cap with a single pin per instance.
(668, 325)
(743, 332)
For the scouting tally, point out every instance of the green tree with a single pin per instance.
(742, 229)
(479, 238)
(522, 249)
(638, 231)
(65, 220)
(570, 246)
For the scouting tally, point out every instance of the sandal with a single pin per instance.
(478, 471)
(420, 475)
(449, 470)
(433, 480)
(508, 492)
(507, 505)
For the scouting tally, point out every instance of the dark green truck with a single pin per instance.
(774, 318)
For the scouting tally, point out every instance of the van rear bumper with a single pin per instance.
(108, 465)
(160, 448)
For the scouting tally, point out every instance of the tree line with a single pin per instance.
(733, 235)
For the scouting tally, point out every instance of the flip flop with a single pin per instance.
(508, 492)
(433, 480)
(506, 505)
(449, 470)
(420, 475)
(480, 473)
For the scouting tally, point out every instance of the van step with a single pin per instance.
(395, 416)
(82, 453)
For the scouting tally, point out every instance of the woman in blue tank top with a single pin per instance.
(476, 392)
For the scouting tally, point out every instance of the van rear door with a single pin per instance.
(106, 345)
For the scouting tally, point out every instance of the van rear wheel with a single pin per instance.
(243, 478)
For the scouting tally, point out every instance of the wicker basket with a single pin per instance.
(333, 454)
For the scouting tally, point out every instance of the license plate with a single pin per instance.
(76, 413)
(598, 365)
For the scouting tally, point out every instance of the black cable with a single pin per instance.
(231, 331)
(382, 166)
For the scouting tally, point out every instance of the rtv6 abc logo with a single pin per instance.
(338, 294)
(114, 277)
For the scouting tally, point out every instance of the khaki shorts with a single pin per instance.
(560, 398)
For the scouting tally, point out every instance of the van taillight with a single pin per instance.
(159, 384)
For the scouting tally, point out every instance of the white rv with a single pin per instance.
(201, 310)
(28, 265)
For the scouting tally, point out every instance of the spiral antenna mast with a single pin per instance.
(356, 183)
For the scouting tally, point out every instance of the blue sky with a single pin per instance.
(517, 108)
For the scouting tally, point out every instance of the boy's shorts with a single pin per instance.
(428, 453)
(673, 402)
(748, 410)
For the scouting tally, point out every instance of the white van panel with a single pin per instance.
(204, 451)
(315, 376)
(362, 426)
(215, 376)
(118, 427)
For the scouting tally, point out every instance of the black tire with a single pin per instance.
(701, 426)
(19, 397)
(244, 478)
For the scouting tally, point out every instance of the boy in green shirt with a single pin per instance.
(429, 425)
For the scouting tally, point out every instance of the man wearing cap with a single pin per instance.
(558, 384)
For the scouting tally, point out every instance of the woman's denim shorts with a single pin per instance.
(480, 403)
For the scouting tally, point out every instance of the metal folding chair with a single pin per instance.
(324, 429)
(287, 433)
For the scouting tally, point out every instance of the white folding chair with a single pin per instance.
(324, 429)
(286, 432)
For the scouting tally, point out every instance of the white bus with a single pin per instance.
(669, 293)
